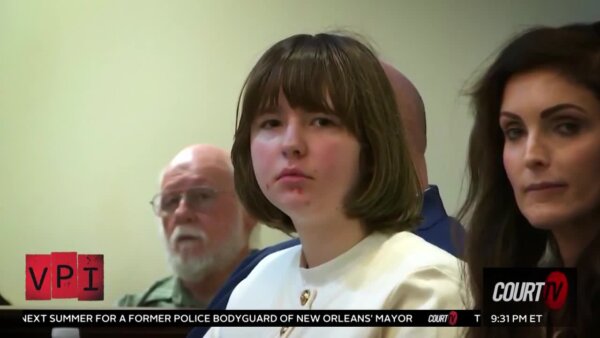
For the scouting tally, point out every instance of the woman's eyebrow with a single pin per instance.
(548, 112)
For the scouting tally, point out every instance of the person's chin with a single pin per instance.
(191, 268)
(548, 218)
(188, 251)
(292, 200)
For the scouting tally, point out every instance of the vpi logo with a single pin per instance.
(64, 275)
(553, 291)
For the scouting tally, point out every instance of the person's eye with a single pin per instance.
(205, 195)
(323, 122)
(269, 123)
(567, 128)
(201, 195)
(513, 133)
(169, 202)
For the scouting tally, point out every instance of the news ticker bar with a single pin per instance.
(186, 318)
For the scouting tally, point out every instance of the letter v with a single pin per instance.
(38, 286)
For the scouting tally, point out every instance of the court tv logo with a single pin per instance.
(553, 291)
(509, 292)
(449, 318)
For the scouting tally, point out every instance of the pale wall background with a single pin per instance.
(96, 96)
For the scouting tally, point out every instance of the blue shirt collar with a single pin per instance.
(433, 208)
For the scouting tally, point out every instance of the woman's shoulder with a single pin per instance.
(407, 251)
(280, 258)
(427, 277)
(269, 275)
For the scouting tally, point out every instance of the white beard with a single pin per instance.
(194, 268)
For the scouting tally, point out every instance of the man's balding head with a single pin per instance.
(412, 112)
(198, 156)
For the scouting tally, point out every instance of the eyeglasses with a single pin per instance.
(198, 199)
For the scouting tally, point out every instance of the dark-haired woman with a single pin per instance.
(534, 164)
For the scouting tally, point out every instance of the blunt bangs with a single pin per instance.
(313, 73)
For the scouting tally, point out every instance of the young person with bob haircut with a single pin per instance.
(534, 164)
(320, 150)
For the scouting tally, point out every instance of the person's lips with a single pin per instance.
(184, 234)
(188, 238)
(544, 186)
(293, 174)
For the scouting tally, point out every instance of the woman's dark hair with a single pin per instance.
(338, 75)
(499, 235)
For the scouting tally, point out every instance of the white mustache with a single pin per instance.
(187, 231)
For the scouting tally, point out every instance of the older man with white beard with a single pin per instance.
(206, 229)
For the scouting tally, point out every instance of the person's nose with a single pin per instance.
(294, 142)
(184, 214)
(537, 153)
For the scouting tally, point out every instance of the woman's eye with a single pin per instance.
(269, 124)
(567, 128)
(323, 122)
(513, 133)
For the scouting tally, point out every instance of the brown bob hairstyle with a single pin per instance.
(339, 75)
(499, 235)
